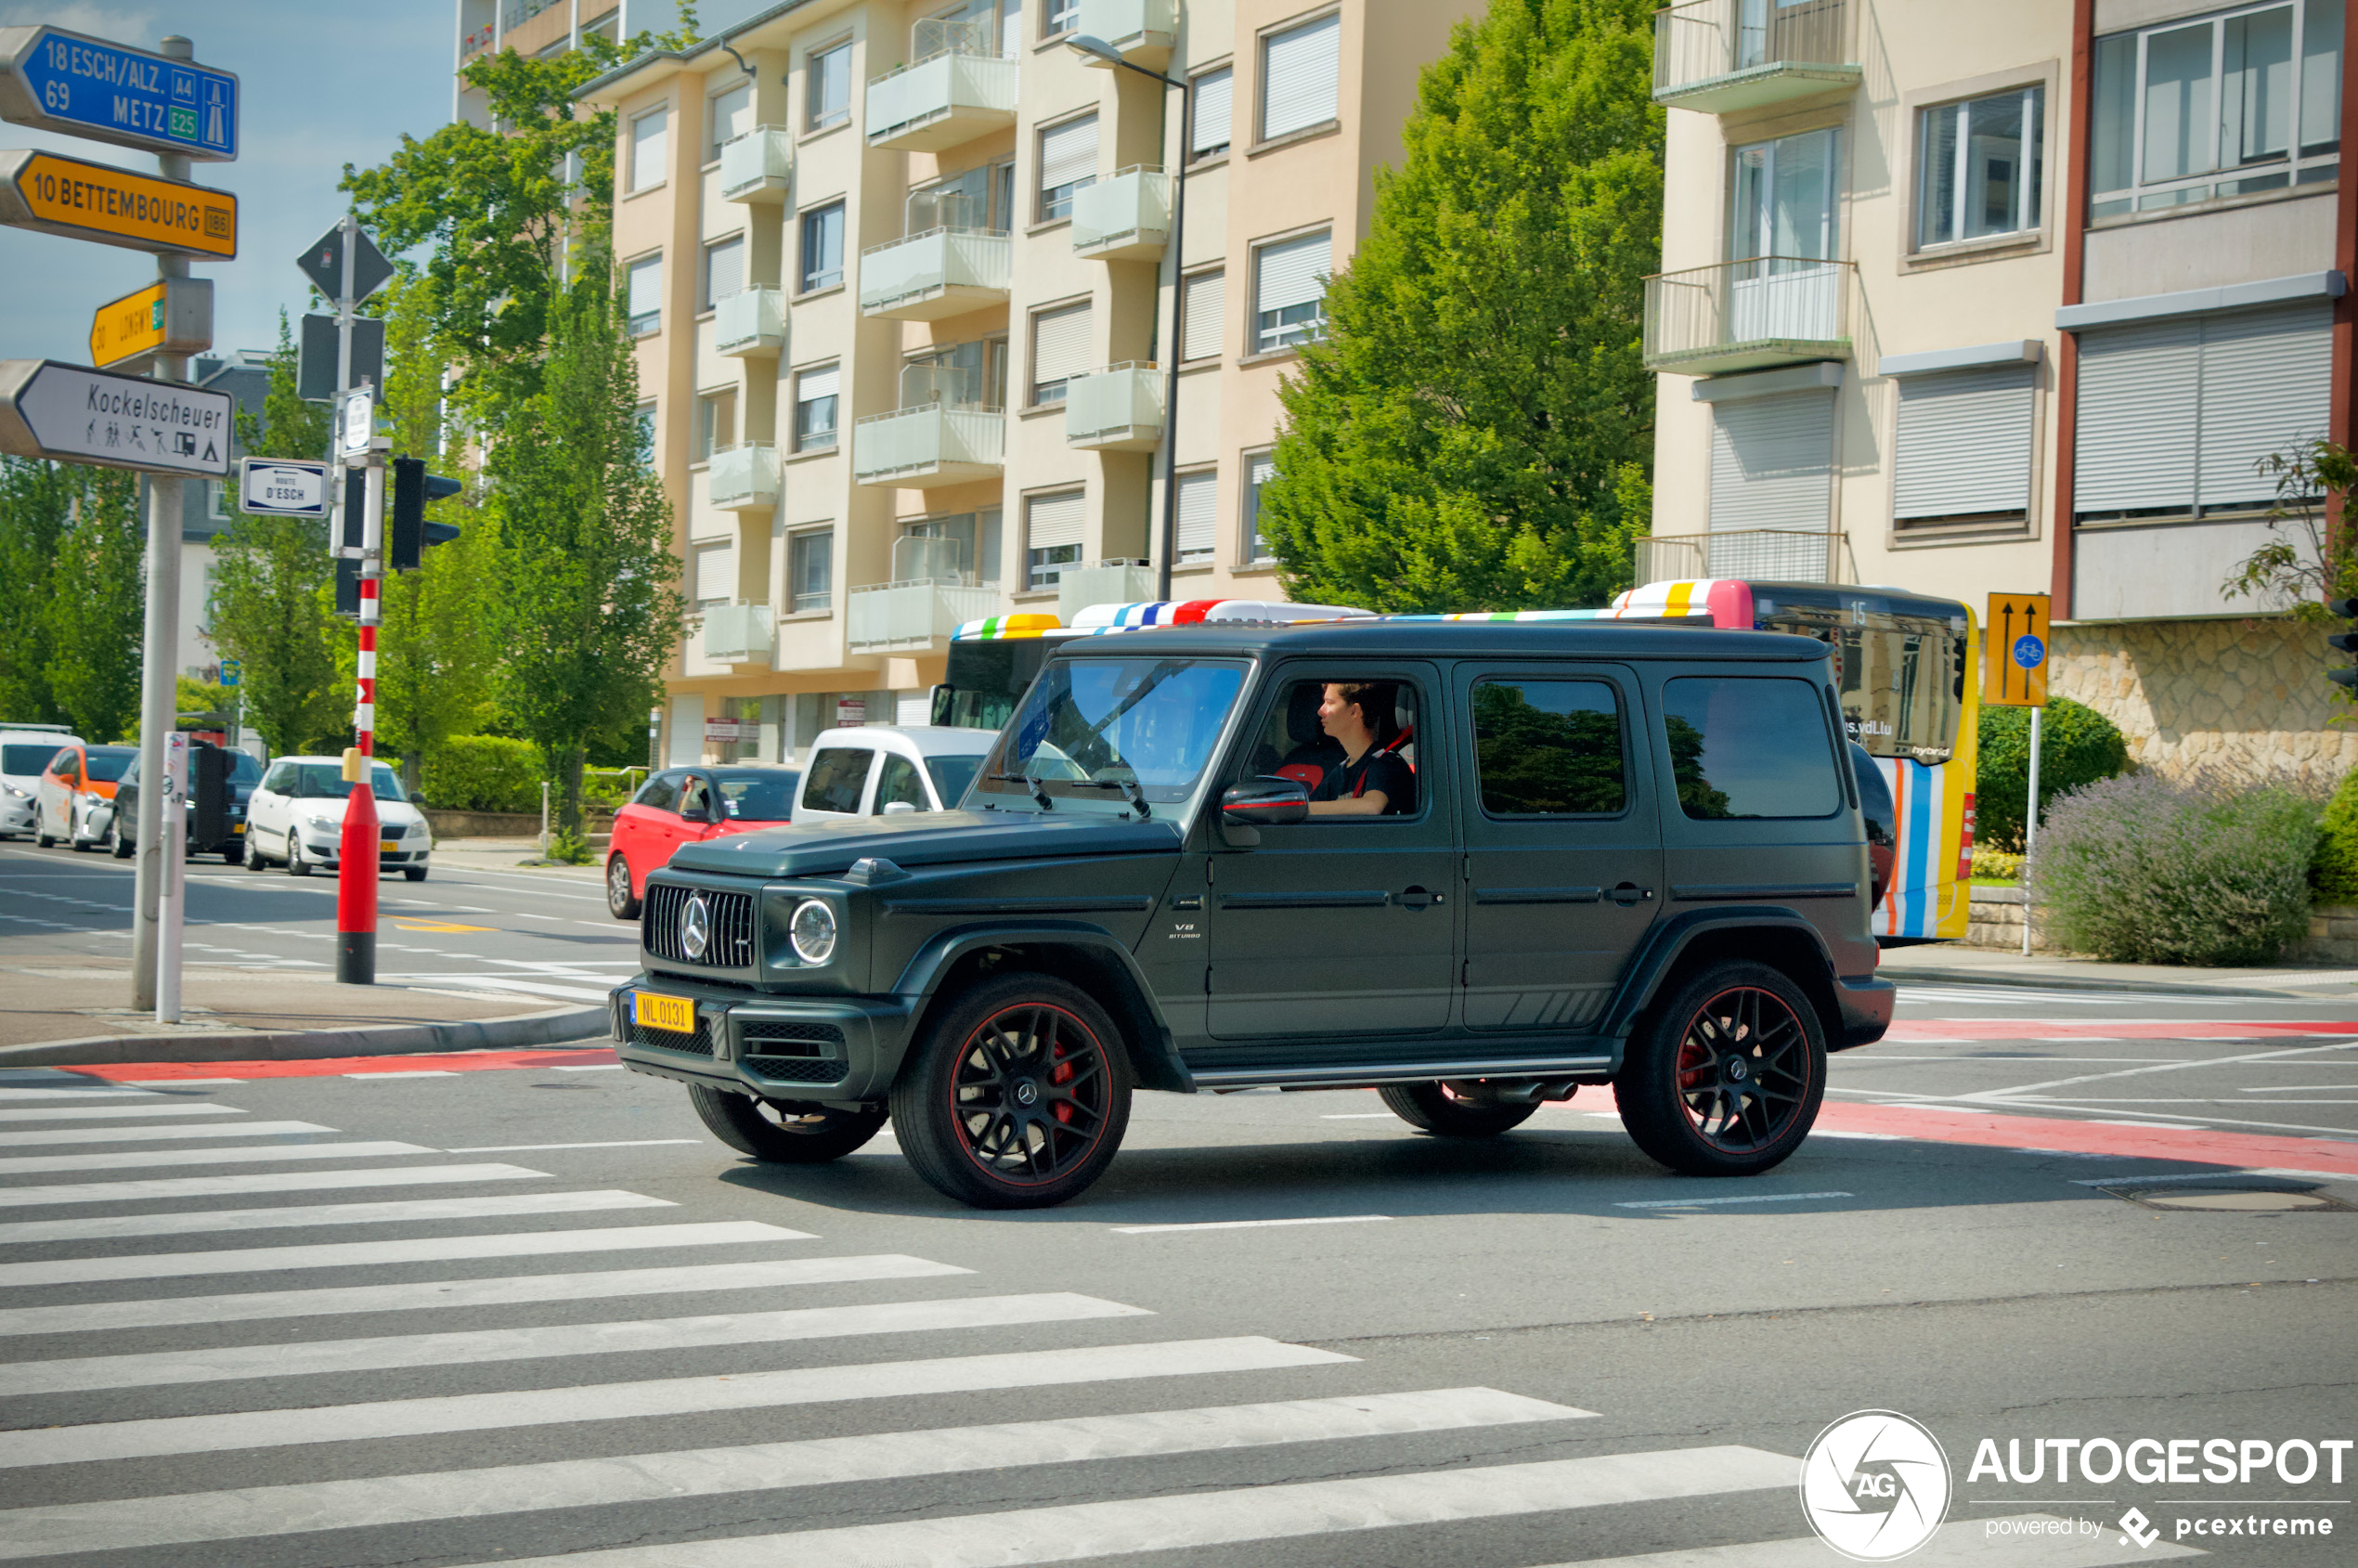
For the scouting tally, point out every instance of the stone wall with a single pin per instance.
(1997, 922)
(2246, 696)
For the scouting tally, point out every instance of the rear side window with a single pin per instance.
(951, 777)
(900, 783)
(837, 776)
(660, 793)
(275, 780)
(1744, 745)
(1548, 748)
(107, 763)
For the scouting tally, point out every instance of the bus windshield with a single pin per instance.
(1901, 677)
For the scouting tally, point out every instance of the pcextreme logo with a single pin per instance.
(1875, 1485)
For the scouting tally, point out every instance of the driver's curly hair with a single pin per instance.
(1378, 702)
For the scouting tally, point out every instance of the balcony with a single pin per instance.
(1125, 218)
(1720, 56)
(958, 88)
(743, 478)
(920, 613)
(922, 448)
(740, 634)
(941, 272)
(1747, 315)
(1762, 554)
(757, 166)
(1143, 31)
(1102, 582)
(1116, 409)
(750, 324)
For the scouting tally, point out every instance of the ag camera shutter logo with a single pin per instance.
(1875, 1485)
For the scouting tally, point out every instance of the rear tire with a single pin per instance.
(117, 845)
(793, 1133)
(619, 904)
(1453, 1110)
(1724, 1079)
(234, 855)
(255, 858)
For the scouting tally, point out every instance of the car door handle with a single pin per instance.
(1416, 897)
(1630, 894)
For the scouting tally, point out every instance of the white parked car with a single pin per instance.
(24, 752)
(296, 817)
(885, 769)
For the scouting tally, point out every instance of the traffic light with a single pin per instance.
(2343, 610)
(406, 531)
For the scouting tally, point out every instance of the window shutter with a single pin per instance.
(715, 572)
(731, 116)
(1051, 521)
(646, 150)
(724, 270)
(1772, 462)
(1300, 72)
(1199, 522)
(816, 384)
(2266, 380)
(1069, 153)
(1215, 96)
(1059, 343)
(646, 287)
(1965, 443)
(2139, 408)
(1291, 273)
(1207, 303)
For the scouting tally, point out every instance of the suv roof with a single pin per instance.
(1598, 639)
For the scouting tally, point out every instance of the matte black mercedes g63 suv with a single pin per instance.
(1620, 855)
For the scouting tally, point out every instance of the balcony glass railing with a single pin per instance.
(933, 445)
(1745, 314)
(743, 478)
(751, 322)
(915, 613)
(955, 90)
(1132, 26)
(953, 269)
(739, 633)
(1725, 55)
(1770, 554)
(1119, 405)
(1126, 217)
(1102, 582)
(757, 166)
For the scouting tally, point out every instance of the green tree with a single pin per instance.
(2077, 746)
(36, 510)
(1475, 430)
(97, 607)
(591, 611)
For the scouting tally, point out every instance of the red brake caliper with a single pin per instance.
(1062, 1073)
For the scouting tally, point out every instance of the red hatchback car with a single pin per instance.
(688, 806)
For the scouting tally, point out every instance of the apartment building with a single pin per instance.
(2013, 297)
(539, 28)
(902, 279)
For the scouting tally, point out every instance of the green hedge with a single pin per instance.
(483, 773)
(2077, 746)
(2335, 871)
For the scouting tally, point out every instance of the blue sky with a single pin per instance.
(325, 82)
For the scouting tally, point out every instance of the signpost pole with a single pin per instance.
(155, 961)
(357, 860)
(2031, 820)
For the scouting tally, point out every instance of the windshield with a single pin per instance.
(243, 769)
(26, 761)
(1104, 720)
(324, 781)
(107, 762)
(951, 777)
(758, 797)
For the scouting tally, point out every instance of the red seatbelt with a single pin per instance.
(1390, 749)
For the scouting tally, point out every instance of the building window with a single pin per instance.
(1067, 163)
(1772, 469)
(1962, 452)
(965, 375)
(1290, 291)
(1199, 515)
(1260, 468)
(1300, 71)
(647, 140)
(936, 549)
(1214, 99)
(645, 421)
(828, 83)
(715, 573)
(814, 408)
(1200, 316)
(1060, 350)
(731, 117)
(724, 269)
(1983, 163)
(822, 247)
(1786, 193)
(2232, 105)
(716, 423)
(810, 570)
(644, 292)
(1052, 537)
(1059, 17)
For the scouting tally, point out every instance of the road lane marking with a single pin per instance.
(1968, 1543)
(1251, 1225)
(88, 1089)
(1012, 1537)
(509, 985)
(77, 1113)
(189, 1519)
(658, 1397)
(591, 1067)
(102, 1227)
(436, 1295)
(1716, 1203)
(157, 1135)
(157, 1187)
(621, 1143)
(407, 1072)
(1356, 1116)
(409, 1249)
(26, 1165)
(402, 923)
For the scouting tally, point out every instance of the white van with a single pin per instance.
(25, 749)
(885, 770)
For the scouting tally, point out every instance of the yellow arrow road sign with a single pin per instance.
(170, 316)
(2015, 675)
(82, 200)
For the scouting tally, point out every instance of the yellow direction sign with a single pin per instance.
(170, 316)
(80, 201)
(2015, 672)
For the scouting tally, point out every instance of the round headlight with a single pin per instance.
(813, 929)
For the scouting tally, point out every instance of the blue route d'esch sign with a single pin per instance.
(120, 94)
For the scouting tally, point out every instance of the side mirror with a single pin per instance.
(1266, 802)
(899, 809)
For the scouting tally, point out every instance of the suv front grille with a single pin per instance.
(731, 945)
(795, 1069)
(788, 1038)
(697, 1045)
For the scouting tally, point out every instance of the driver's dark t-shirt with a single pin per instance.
(1382, 770)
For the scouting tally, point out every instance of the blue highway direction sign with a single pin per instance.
(86, 86)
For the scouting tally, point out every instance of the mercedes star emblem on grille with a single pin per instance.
(696, 925)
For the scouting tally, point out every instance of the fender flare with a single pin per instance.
(1670, 940)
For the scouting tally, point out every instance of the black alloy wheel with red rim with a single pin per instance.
(1018, 1096)
(1726, 1078)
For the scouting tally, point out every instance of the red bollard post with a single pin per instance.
(357, 880)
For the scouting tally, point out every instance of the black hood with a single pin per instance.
(924, 838)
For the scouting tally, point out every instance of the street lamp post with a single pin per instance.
(1104, 55)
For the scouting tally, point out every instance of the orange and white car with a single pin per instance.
(76, 793)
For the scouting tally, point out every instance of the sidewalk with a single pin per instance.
(510, 855)
(1955, 963)
(65, 1009)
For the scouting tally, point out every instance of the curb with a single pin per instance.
(250, 1045)
(1902, 977)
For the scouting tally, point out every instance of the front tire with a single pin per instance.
(117, 845)
(414, 872)
(1017, 1095)
(1455, 1110)
(793, 1133)
(1725, 1078)
(297, 864)
(619, 904)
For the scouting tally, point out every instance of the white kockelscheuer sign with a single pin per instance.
(69, 413)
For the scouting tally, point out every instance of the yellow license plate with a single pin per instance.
(237, 827)
(389, 846)
(675, 1013)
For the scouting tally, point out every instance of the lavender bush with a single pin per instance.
(2142, 869)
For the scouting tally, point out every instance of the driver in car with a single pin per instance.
(1373, 780)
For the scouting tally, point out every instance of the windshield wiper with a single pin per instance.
(1129, 787)
(1039, 791)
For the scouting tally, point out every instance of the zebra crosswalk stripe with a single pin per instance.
(1968, 1543)
(157, 1188)
(110, 1112)
(30, 1163)
(43, 1135)
(107, 1228)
